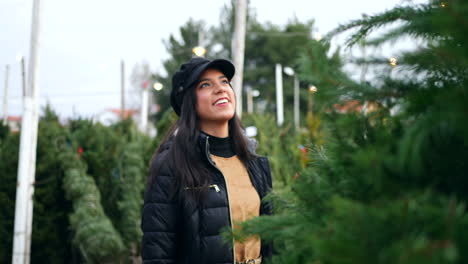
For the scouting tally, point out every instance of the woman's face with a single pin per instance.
(216, 101)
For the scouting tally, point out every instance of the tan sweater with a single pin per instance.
(244, 202)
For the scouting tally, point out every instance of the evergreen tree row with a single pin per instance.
(389, 183)
(88, 191)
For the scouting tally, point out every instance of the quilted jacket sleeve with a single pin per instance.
(160, 217)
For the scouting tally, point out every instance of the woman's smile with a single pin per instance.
(215, 99)
(221, 102)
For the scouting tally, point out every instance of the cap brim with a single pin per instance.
(223, 65)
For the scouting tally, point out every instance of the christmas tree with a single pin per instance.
(77, 165)
(389, 184)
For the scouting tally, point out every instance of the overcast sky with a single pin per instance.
(82, 42)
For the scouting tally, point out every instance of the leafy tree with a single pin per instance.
(180, 51)
(223, 32)
(265, 45)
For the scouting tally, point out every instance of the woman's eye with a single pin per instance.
(225, 81)
(203, 85)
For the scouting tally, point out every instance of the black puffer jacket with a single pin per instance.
(176, 231)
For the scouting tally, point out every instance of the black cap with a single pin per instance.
(189, 73)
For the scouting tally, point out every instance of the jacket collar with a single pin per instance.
(204, 144)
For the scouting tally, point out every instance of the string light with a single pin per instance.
(312, 89)
(157, 86)
(392, 61)
(317, 36)
(199, 51)
(443, 4)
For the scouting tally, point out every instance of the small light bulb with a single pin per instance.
(392, 61)
(443, 4)
(199, 51)
(318, 36)
(157, 86)
(312, 89)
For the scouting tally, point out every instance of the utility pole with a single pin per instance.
(279, 94)
(201, 41)
(122, 89)
(296, 101)
(199, 51)
(249, 100)
(23, 77)
(238, 52)
(5, 95)
(144, 107)
(364, 65)
(27, 155)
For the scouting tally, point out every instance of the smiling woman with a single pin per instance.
(215, 103)
(204, 176)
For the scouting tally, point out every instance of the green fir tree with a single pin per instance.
(389, 184)
(93, 232)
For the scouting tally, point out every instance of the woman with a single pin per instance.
(205, 175)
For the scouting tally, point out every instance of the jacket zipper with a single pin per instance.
(214, 186)
(227, 195)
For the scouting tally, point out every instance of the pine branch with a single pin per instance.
(370, 23)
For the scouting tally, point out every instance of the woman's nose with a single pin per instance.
(220, 87)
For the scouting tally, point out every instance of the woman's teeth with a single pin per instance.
(222, 101)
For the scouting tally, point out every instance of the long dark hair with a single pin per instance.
(190, 169)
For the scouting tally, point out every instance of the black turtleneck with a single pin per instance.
(221, 147)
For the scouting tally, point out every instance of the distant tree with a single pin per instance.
(77, 165)
(51, 226)
(223, 32)
(140, 74)
(179, 49)
(9, 148)
(130, 175)
(266, 45)
(99, 149)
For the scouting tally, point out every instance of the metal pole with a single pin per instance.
(27, 155)
(249, 100)
(122, 89)
(310, 103)
(5, 95)
(201, 38)
(23, 77)
(364, 66)
(238, 52)
(296, 101)
(144, 108)
(279, 94)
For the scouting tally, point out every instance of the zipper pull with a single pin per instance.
(215, 187)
